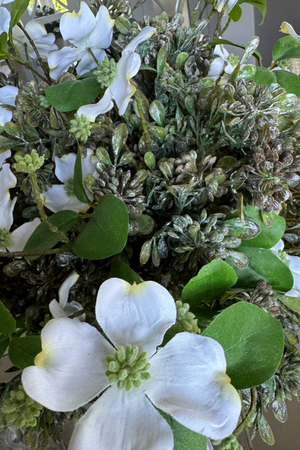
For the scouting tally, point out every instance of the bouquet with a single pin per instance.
(150, 206)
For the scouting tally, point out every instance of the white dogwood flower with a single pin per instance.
(293, 263)
(63, 308)
(224, 62)
(85, 32)
(61, 197)
(43, 41)
(7, 97)
(288, 29)
(16, 240)
(221, 3)
(185, 379)
(121, 90)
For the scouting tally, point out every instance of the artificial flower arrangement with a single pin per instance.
(149, 224)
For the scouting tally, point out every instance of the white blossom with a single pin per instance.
(63, 308)
(121, 90)
(84, 31)
(288, 29)
(221, 3)
(7, 97)
(186, 378)
(293, 263)
(43, 41)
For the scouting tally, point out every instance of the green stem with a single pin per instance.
(40, 204)
(226, 26)
(93, 56)
(53, 251)
(139, 103)
(246, 422)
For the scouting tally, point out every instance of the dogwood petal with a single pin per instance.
(145, 34)
(142, 313)
(216, 68)
(5, 2)
(278, 247)
(121, 89)
(209, 444)
(8, 95)
(20, 235)
(72, 307)
(44, 41)
(7, 181)
(60, 61)
(188, 381)
(121, 420)
(65, 166)
(6, 217)
(5, 116)
(92, 111)
(64, 290)
(56, 199)
(292, 293)
(101, 35)
(294, 264)
(56, 310)
(70, 370)
(5, 70)
(288, 29)
(4, 20)
(86, 64)
(89, 164)
(3, 157)
(76, 26)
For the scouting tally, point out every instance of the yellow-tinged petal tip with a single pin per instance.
(42, 358)
(284, 28)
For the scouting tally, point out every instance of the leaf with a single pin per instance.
(120, 269)
(73, 94)
(211, 282)
(148, 68)
(250, 49)
(23, 350)
(106, 232)
(285, 48)
(3, 46)
(289, 81)
(263, 265)
(7, 144)
(43, 238)
(226, 42)
(79, 190)
(184, 439)
(261, 5)
(7, 322)
(264, 76)
(4, 341)
(272, 227)
(17, 10)
(292, 303)
(253, 342)
(236, 13)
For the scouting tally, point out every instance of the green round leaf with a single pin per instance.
(211, 282)
(23, 350)
(264, 76)
(106, 232)
(253, 342)
(7, 322)
(289, 81)
(285, 48)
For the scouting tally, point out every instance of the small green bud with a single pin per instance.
(106, 73)
(28, 163)
(185, 318)
(5, 240)
(121, 355)
(20, 410)
(114, 366)
(233, 60)
(81, 127)
(69, 187)
(43, 101)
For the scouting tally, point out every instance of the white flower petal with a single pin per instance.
(72, 308)
(60, 61)
(121, 89)
(3, 157)
(56, 310)
(89, 164)
(8, 95)
(145, 34)
(278, 247)
(294, 264)
(44, 41)
(70, 371)
(288, 29)
(86, 64)
(292, 293)
(57, 199)
(64, 290)
(188, 381)
(7, 207)
(20, 235)
(5, 70)
(101, 35)
(76, 26)
(5, 116)
(137, 314)
(65, 166)
(216, 68)
(92, 111)
(4, 20)
(229, 6)
(7, 181)
(209, 444)
(121, 420)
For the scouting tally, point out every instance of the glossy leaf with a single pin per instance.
(17, 10)
(73, 94)
(120, 269)
(43, 238)
(106, 232)
(79, 190)
(250, 49)
(7, 322)
(285, 48)
(226, 42)
(211, 282)
(289, 81)
(261, 5)
(253, 342)
(23, 350)
(236, 13)
(4, 47)
(264, 76)
(184, 439)
(263, 265)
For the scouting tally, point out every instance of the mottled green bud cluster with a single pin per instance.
(284, 257)
(107, 70)
(233, 59)
(69, 187)
(186, 318)
(44, 102)
(230, 443)
(21, 410)
(128, 368)
(5, 240)
(81, 127)
(28, 163)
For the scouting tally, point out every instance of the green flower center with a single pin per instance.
(284, 257)
(5, 240)
(107, 70)
(128, 368)
(233, 60)
(69, 187)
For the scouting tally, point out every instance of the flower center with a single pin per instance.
(5, 240)
(69, 187)
(128, 368)
(107, 70)
(233, 60)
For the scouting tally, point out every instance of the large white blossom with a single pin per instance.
(63, 308)
(293, 262)
(121, 90)
(16, 240)
(186, 378)
(221, 63)
(7, 97)
(61, 197)
(43, 41)
(84, 31)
